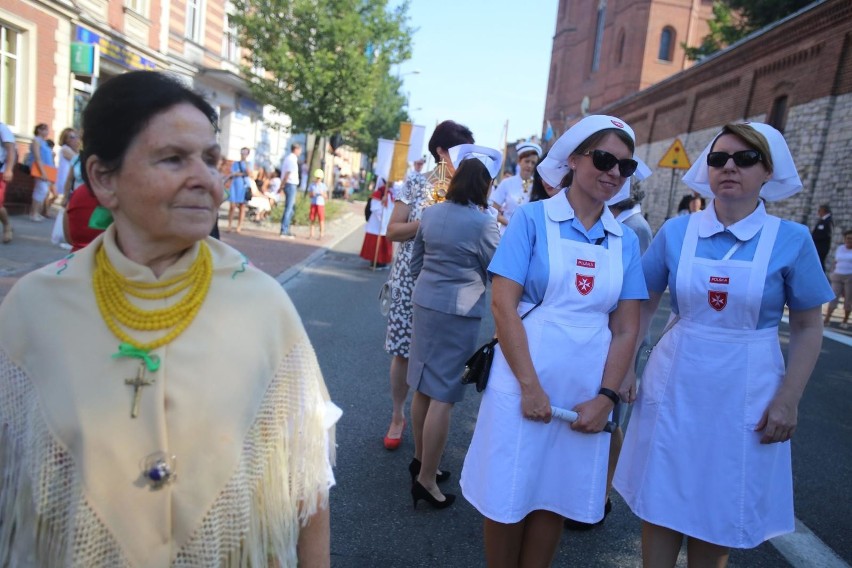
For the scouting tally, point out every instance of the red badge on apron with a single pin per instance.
(717, 300)
(584, 283)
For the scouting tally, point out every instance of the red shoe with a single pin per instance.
(393, 443)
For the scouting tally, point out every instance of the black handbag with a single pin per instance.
(477, 368)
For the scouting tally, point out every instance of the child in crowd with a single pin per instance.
(319, 193)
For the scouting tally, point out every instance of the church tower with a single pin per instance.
(604, 50)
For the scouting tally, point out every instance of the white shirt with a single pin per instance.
(290, 169)
(6, 136)
(843, 264)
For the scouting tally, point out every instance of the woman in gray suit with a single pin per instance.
(453, 246)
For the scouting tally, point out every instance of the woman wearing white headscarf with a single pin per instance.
(576, 273)
(707, 454)
(453, 246)
(516, 190)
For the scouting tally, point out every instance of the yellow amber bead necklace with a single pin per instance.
(113, 292)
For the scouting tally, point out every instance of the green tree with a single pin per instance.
(735, 19)
(321, 62)
(383, 119)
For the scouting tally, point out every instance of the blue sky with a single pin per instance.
(480, 63)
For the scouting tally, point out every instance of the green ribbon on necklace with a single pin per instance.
(127, 350)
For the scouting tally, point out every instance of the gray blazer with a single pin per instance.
(452, 249)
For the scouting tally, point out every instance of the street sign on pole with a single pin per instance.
(675, 157)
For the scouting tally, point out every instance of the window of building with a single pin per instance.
(230, 41)
(619, 48)
(667, 43)
(778, 114)
(10, 76)
(138, 6)
(194, 14)
(599, 31)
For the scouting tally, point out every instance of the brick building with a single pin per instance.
(795, 74)
(40, 40)
(604, 50)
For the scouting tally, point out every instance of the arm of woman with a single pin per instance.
(780, 418)
(314, 546)
(417, 251)
(400, 228)
(647, 309)
(624, 326)
(505, 297)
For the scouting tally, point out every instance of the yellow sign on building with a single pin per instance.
(675, 157)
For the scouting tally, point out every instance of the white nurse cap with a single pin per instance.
(783, 183)
(491, 158)
(528, 147)
(554, 167)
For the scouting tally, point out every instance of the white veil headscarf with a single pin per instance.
(554, 167)
(783, 183)
(492, 159)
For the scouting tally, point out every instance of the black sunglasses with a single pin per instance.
(742, 159)
(604, 161)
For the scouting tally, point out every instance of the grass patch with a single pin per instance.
(301, 212)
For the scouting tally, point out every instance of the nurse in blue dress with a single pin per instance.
(577, 271)
(707, 455)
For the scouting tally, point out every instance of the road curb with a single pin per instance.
(294, 270)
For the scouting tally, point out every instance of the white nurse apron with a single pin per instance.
(691, 460)
(514, 465)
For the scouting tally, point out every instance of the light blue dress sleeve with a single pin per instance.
(633, 287)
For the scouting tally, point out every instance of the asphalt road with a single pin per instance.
(373, 522)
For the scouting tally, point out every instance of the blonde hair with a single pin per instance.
(752, 138)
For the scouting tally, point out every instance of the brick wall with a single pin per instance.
(807, 59)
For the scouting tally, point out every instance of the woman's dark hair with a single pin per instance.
(537, 192)
(123, 106)
(470, 184)
(592, 141)
(38, 127)
(448, 134)
(684, 203)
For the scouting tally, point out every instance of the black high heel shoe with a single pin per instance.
(414, 470)
(419, 492)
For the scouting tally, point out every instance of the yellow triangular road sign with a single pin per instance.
(675, 157)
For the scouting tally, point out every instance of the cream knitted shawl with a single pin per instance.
(239, 399)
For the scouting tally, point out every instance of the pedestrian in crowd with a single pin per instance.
(199, 460)
(540, 188)
(318, 193)
(240, 190)
(376, 248)
(696, 204)
(8, 158)
(69, 150)
(409, 202)
(290, 177)
(822, 232)
(685, 205)
(449, 262)
(515, 191)
(274, 191)
(841, 279)
(707, 454)
(257, 194)
(44, 172)
(575, 273)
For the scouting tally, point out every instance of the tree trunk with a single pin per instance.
(313, 164)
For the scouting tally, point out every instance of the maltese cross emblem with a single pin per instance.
(584, 283)
(717, 300)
